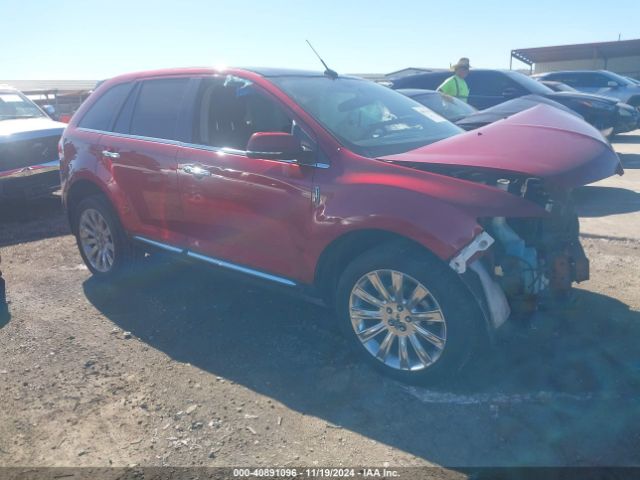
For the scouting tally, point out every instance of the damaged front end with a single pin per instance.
(535, 260)
(516, 177)
(523, 263)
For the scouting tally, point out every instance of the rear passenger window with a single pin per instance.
(157, 108)
(101, 114)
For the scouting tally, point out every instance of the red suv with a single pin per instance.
(422, 236)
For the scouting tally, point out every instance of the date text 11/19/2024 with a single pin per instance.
(315, 473)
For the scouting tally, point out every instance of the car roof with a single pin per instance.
(263, 72)
(575, 71)
(283, 72)
(413, 92)
(449, 72)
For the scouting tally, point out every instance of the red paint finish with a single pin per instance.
(247, 211)
(144, 182)
(542, 142)
(279, 217)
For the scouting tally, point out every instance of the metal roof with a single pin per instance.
(580, 51)
(50, 85)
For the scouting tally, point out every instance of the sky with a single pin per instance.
(73, 39)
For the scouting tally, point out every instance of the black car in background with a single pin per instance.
(29, 163)
(557, 86)
(598, 82)
(448, 107)
(492, 87)
(628, 117)
(469, 118)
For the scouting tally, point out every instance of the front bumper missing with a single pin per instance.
(495, 305)
(477, 245)
(496, 301)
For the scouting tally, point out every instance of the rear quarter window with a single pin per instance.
(157, 108)
(101, 114)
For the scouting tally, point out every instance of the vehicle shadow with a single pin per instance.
(5, 316)
(630, 160)
(558, 390)
(598, 201)
(627, 138)
(27, 221)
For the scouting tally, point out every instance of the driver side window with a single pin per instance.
(231, 109)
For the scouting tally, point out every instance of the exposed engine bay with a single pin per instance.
(536, 258)
(522, 262)
(519, 192)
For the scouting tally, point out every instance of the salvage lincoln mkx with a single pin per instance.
(422, 236)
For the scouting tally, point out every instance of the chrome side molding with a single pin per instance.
(241, 269)
(217, 262)
(153, 243)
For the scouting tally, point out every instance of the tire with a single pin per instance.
(96, 213)
(447, 310)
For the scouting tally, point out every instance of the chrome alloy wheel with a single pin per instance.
(96, 240)
(397, 320)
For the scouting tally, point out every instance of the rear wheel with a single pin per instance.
(408, 314)
(103, 243)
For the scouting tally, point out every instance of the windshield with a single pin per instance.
(16, 105)
(368, 118)
(449, 107)
(533, 86)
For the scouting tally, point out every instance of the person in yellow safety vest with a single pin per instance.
(455, 85)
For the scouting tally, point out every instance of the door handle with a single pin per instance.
(196, 170)
(107, 153)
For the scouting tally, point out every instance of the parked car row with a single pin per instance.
(492, 87)
(600, 82)
(498, 95)
(423, 237)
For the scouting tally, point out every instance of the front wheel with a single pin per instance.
(408, 314)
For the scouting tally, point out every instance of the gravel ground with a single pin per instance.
(181, 366)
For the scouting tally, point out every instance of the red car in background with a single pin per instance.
(423, 237)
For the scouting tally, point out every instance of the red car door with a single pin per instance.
(242, 211)
(141, 156)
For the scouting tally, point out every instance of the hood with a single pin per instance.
(582, 96)
(542, 142)
(27, 128)
(508, 108)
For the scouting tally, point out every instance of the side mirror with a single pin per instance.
(278, 146)
(612, 84)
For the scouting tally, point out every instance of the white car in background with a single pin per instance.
(29, 163)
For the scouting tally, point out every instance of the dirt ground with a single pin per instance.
(182, 366)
